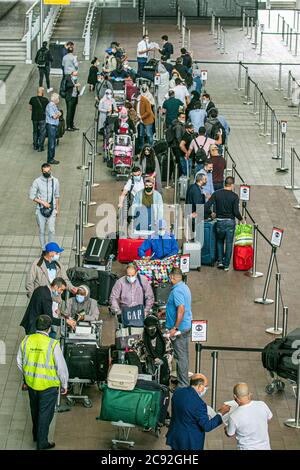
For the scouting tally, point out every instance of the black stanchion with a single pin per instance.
(264, 300)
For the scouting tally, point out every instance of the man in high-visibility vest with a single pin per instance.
(44, 369)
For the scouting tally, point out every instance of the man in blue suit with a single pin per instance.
(162, 244)
(190, 420)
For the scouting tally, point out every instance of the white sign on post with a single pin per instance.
(245, 192)
(185, 263)
(262, 27)
(204, 75)
(157, 79)
(199, 331)
(283, 127)
(277, 234)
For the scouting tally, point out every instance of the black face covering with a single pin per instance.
(148, 190)
(46, 174)
(152, 331)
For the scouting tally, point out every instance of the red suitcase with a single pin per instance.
(128, 249)
(243, 258)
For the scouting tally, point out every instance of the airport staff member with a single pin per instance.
(43, 366)
(179, 323)
(162, 244)
(190, 420)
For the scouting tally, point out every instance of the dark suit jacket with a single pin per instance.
(189, 421)
(195, 196)
(69, 88)
(210, 105)
(40, 304)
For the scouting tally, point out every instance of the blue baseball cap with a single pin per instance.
(53, 247)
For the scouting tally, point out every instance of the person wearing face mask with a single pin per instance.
(207, 171)
(92, 78)
(144, 111)
(44, 192)
(101, 86)
(106, 107)
(46, 268)
(189, 417)
(155, 350)
(150, 166)
(207, 103)
(143, 49)
(148, 207)
(162, 243)
(178, 129)
(174, 77)
(124, 125)
(147, 94)
(41, 303)
(82, 307)
(130, 291)
(132, 187)
(181, 92)
(72, 92)
(171, 108)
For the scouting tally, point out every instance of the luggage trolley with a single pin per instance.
(88, 336)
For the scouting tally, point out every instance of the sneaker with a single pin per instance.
(226, 268)
(49, 90)
(220, 265)
(75, 128)
(69, 129)
(54, 162)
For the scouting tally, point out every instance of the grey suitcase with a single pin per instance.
(194, 250)
(183, 184)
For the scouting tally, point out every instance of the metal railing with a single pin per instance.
(293, 422)
(184, 30)
(219, 34)
(88, 29)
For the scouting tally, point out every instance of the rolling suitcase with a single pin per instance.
(98, 252)
(118, 85)
(164, 397)
(138, 407)
(161, 147)
(122, 377)
(128, 249)
(209, 248)
(126, 337)
(86, 276)
(106, 282)
(183, 183)
(194, 250)
(243, 258)
(87, 361)
(163, 163)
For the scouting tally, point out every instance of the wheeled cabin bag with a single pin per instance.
(282, 356)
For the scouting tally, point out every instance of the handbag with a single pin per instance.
(47, 211)
(135, 316)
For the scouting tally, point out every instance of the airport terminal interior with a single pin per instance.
(245, 55)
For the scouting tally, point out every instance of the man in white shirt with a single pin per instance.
(181, 92)
(249, 422)
(143, 49)
(132, 187)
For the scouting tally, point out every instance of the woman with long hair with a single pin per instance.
(150, 166)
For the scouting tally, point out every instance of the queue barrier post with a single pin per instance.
(285, 317)
(279, 87)
(82, 248)
(275, 330)
(86, 222)
(292, 185)
(282, 168)
(78, 243)
(254, 273)
(168, 169)
(214, 380)
(264, 300)
(198, 358)
(83, 165)
(260, 111)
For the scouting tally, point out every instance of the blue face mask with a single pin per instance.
(137, 179)
(75, 79)
(55, 293)
(80, 298)
(131, 279)
(201, 394)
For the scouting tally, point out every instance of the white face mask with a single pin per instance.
(201, 394)
(131, 279)
(55, 257)
(137, 179)
(161, 233)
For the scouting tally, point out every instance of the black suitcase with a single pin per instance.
(280, 356)
(103, 354)
(165, 397)
(86, 276)
(161, 293)
(151, 65)
(106, 282)
(161, 146)
(87, 361)
(98, 251)
(163, 163)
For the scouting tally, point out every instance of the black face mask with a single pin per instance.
(148, 190)
(46, 175)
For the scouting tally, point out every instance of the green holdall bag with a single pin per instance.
(243, 235)
(138, 407)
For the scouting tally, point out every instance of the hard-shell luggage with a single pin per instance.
(87, 361)
(164, 396)
(183, 183)
(86, 276)
(161, 147)
(118, 84)
(281, 356)
(122, 377)
(243, 258)
(98, 251)
(209, 248)
(161, 293)
(138, 407)
(128, 249)
(194, 250)
(106, 282)
(126, 337)
(163, 163)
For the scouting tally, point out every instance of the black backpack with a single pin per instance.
(62, 88)
(170, 135)
(215, 132)
(42, 58)
(200, 154)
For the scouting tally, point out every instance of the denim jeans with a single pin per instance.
(141, 62)
(198, 167)
(44, 71)
(225, 235)
(39, 134)
(181, 354)
(149, 133)
(51, 132)
(183, 163)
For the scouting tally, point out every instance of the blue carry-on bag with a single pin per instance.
(209, 248)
